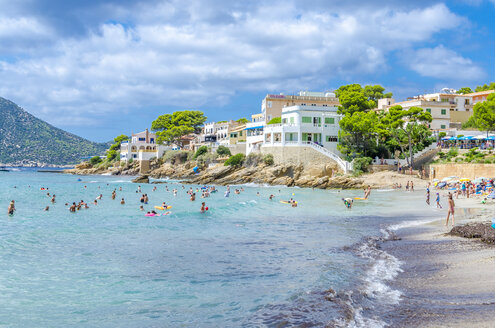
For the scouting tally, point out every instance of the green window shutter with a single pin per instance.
(444, 111)
(306, 119)
(442, 126)
(329, 120)
(304, 137)
(428, 110)
(240, 133)
(292, 120)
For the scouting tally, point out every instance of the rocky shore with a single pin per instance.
(315, 176)
(478, 230)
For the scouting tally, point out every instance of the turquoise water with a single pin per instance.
(247, 262)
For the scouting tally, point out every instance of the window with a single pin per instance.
(269, 104)
(240, 133)
(444, 112)
(142, 139)
(284, 120)
(325, 105)
(313, 104)
(306, 119)
(442, 126)
(332, 139)
(292, 120)
(303, 104)
(329, 120)
(428, 110)
(291, 137)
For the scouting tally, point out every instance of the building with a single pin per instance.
(217, 133)
(303, 125)
(238, 135)
(254, 134)
(142, 146)
(479, 96)
(272, 105)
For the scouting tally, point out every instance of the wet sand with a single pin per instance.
(447, 281)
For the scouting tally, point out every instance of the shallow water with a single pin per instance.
(247, 262)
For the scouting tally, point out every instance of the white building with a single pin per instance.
(303, 125)
(254, 136)
(142, 146)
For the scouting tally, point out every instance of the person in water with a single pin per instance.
(72, 208)
(438, 200)
(271, 197)
(141, 208)
(47, 208)
(11, 208)
(348, 202)
(451, 211)
(122, 201)
(367, 192)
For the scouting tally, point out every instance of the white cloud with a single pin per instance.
(190, 54)
(445, 64)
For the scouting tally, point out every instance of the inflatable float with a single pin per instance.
(161, 208)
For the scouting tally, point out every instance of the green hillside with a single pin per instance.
(25, 139)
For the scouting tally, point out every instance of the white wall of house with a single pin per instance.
(303, 124)
(254, 136)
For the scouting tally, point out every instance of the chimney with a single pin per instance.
(147, 136)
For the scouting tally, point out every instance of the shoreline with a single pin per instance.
(445, 280)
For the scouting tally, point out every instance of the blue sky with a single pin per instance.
(103, 68)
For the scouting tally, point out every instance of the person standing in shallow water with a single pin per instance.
(11, 208)
(451, 211)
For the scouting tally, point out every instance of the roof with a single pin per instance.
(238, 128)
(480, 93)
(257, 115)
(254, 127)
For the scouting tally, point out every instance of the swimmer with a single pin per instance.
(122, 202)
(47, 208)
(367, 192)
(202, 210)
(271, 197)
(141, 208)
(193, 197)
(348, 202)
(11, 208)
(72, 208)
(95, 202)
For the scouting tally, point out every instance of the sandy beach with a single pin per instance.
(447, 281)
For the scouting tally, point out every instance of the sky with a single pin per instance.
(104, 68)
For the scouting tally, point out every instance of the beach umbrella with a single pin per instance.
(480, 137)
(450, 178)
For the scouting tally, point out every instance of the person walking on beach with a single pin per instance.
(11, 208)
(438, 201)
(412, 186)
(428, 196)
(451, 211)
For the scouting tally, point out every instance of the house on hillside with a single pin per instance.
(142, 146)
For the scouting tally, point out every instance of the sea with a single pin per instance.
(247, 262)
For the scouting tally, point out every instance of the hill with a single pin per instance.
(27, 140)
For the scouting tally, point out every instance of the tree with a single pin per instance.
(464, 90)
(354, 98)
(357, 135)
(95, 160)
(201, 150)
(170, 128)
(242, 120)
(484, 114)
(223, 151)
(375, 92)
(112, 151)
(404, 126)
(275, 120)
(485, 87)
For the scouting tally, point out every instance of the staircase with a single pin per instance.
(344, 165)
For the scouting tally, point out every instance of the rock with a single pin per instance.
(142, 179)
(484, 231)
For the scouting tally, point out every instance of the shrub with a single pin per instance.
(275, 120)
(235, 160)
(176, 156)
(253, 159)
(268, 159)
(442, 135)
(130, 160)
(206, 159)
(95, 160)
(223, 151)
(361, 164)
(201, 150)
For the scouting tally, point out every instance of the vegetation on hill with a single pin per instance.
(25, 139)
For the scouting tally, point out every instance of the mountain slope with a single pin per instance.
(28, 140)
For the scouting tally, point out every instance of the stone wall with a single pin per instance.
(306, 156)
(471, 171)
(144, 166)
(238, 149)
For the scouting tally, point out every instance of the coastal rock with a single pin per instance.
(142, 179)
(484, 231)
